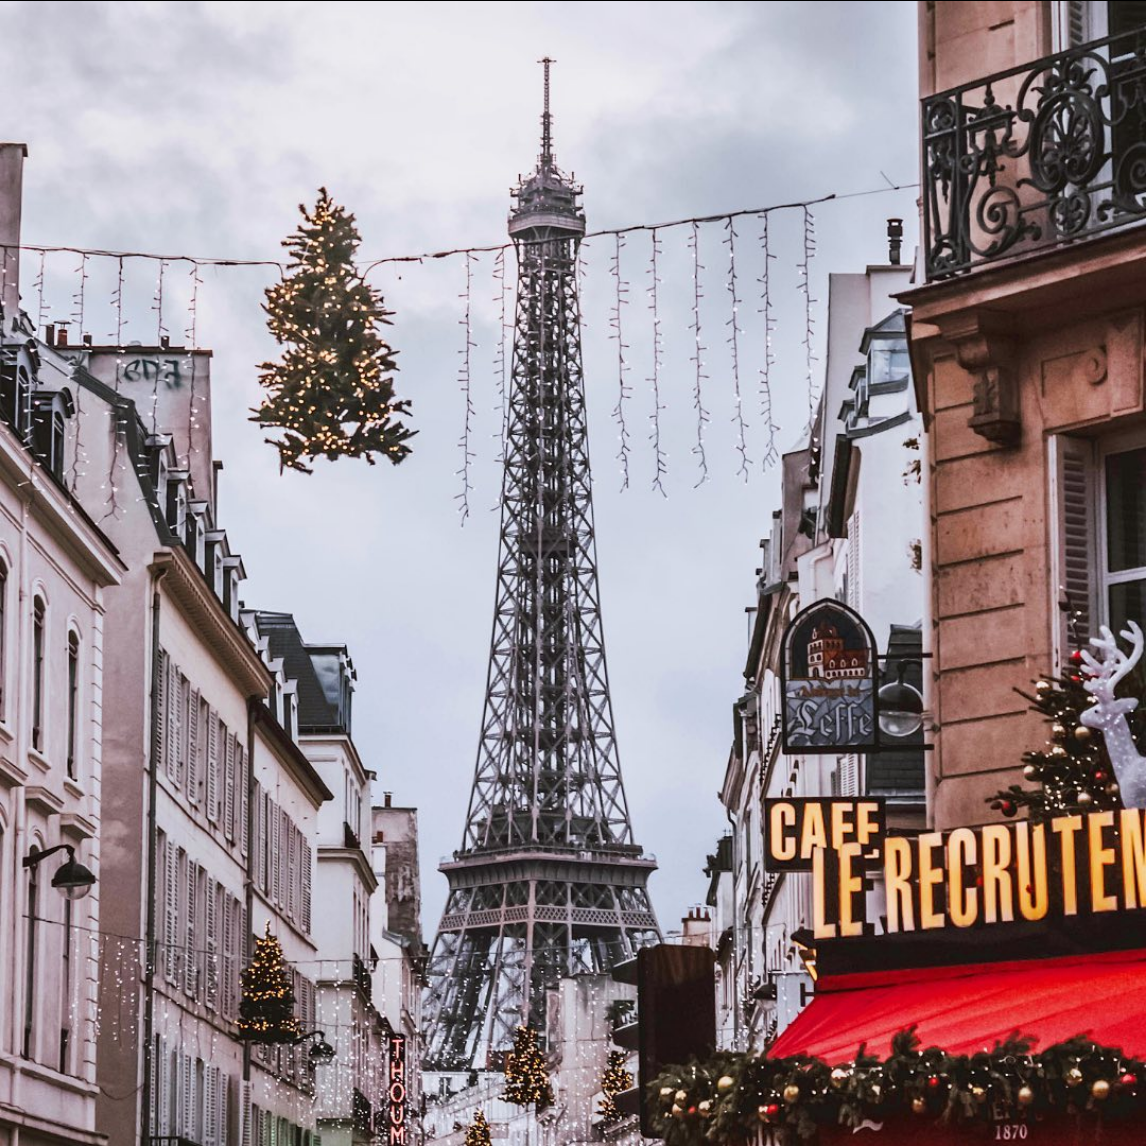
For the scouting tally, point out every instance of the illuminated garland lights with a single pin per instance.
(727, 1099)
(332, 395)
(615, 1080)
(266, 1008)
(478, 1132)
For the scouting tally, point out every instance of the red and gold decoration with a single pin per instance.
(332, 394)
(477, 1132)
(266, 1009)
(526, 1073)
(615, 1080)
(725, 1100)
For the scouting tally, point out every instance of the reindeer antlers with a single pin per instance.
(1104, 674)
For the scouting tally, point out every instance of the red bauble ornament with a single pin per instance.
(1007, 807)
(692, 1110)
(1129, 1080)
(933, 1082)
(772, 1109)
(1100, 776)
(1076, 657)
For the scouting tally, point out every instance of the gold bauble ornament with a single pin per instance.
(762, 1113)
(1058, 729)
(791, 1094)
(839, 1077)
(919, 1105)
(1085, 799)
(1058, 751)
(681, 1097)
(725, 1083)
(705, 1108)
(666, 1092)
(1100, 1089)
(1025, 1096)
(876, 1090)
(978, 1094)
(1073, 1076)
(677, 1111)
(1112, 789)
(1030, 772)
(1082, 732)
(1042, 686)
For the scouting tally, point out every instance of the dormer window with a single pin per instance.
(888, 362)
(50, 409)
(15, 393)
(175, 504)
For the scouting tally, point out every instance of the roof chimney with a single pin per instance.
(894, 241)
(385, 799)
(12, 156)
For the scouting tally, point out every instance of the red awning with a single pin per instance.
(967, 1008)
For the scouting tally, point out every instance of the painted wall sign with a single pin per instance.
(828, 671)
(397, 1095)
(1071, 866)
(796, 826)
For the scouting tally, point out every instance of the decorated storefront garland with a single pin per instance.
(727, 1099)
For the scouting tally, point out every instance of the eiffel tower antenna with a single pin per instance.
(548, 880)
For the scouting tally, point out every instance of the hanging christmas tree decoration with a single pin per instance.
(526, 1074)
(332, 394)
(266, 1008)
(477, 1133)
(615, 1080)
(1074, 771)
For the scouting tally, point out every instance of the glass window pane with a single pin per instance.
(1126, 510)
(1127, 603)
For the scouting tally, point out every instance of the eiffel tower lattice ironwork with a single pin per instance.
(548, 880)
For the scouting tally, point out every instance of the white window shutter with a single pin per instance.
(229, 786)
(274, 835)
(170, 750)
(212, 944)
(242, 781)
(292, 869)
(164, 1120)
(193, 778)
(1076, 507)
(153, 1078)
(854, 566)
(307, 875)
(213, 725)
(258, 860)
(160, 747)
(190, 961)
(170, 910)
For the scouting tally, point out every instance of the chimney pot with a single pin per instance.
(386, 799)
(62, 336)
(894, 241)
(87, 340)
(50, 334)
(165, 341)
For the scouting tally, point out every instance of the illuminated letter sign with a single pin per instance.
(828, 673)
(396, 1095)
(796, 826)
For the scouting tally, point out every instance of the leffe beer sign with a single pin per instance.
(828, 666)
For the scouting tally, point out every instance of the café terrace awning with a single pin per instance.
(967, 1008)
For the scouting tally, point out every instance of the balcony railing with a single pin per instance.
(362, 1113)
(1037, 156)
(362, 978)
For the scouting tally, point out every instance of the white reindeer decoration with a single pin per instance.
(1108, 714)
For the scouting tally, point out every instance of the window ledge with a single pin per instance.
(74, 788)
(39, 759)
(6, 733)
(11, 773)
(66, 1081)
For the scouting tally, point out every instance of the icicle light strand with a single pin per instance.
(659, 455)
(465, 382)
(734, 352)
(500, 360)
(805, 269)
(771, 455)
(698, 356)
(620, 300)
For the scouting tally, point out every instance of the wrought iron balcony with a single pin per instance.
(362, 978)
(1041, 155)
(362, 1113)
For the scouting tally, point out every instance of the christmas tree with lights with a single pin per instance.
(477, 1132)
(615, 1080)
(332, 394)
(266, 1008)
(526, 1073)
(1072, 772)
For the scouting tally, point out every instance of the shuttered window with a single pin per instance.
(194, 764)
(229, 787)
(190, 963)
(214, 902)
(307, 875)
(160, 746)
(1075, 504)
(213, 731)
(244, 810)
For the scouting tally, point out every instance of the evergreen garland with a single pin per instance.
(1072, 773)
(726, 1100)
(266, 1007)
(615, 1080)
(332, 395)
(477, 1133)
(526, 1073)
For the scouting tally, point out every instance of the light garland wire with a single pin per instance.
(698, 356)
(620, 299)
(160, 330)
(465, 381)
(79, 300)
(191, 336)
(659, 455)
(500, 359)
(734, 332)
(805, 270)
(771, 455)
(112, 502)
(38, 287)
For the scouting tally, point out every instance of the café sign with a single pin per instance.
(828, 666)
(1070, 866)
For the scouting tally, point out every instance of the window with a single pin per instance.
(66, 992)
(30, 960)
(39, 616)
(3, 630)
(1123, 556)
(73, 703)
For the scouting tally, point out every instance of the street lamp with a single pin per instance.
(320, 1052)
(72, 878)
(900, 706)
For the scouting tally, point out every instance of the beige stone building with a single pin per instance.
(1027, 337)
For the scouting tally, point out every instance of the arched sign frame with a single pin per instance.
(829, 682)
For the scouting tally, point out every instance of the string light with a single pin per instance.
(734, 348)
(770, 427)
(465, 383)
(620, 299)
(659, 456)
(698, 356)
(805, 271)
(501, 360)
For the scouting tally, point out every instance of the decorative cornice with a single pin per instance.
(291, 754)
(204, 611)
(985, 347)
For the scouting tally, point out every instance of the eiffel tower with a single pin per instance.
(548, 881)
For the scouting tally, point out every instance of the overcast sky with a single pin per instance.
(185, 128)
